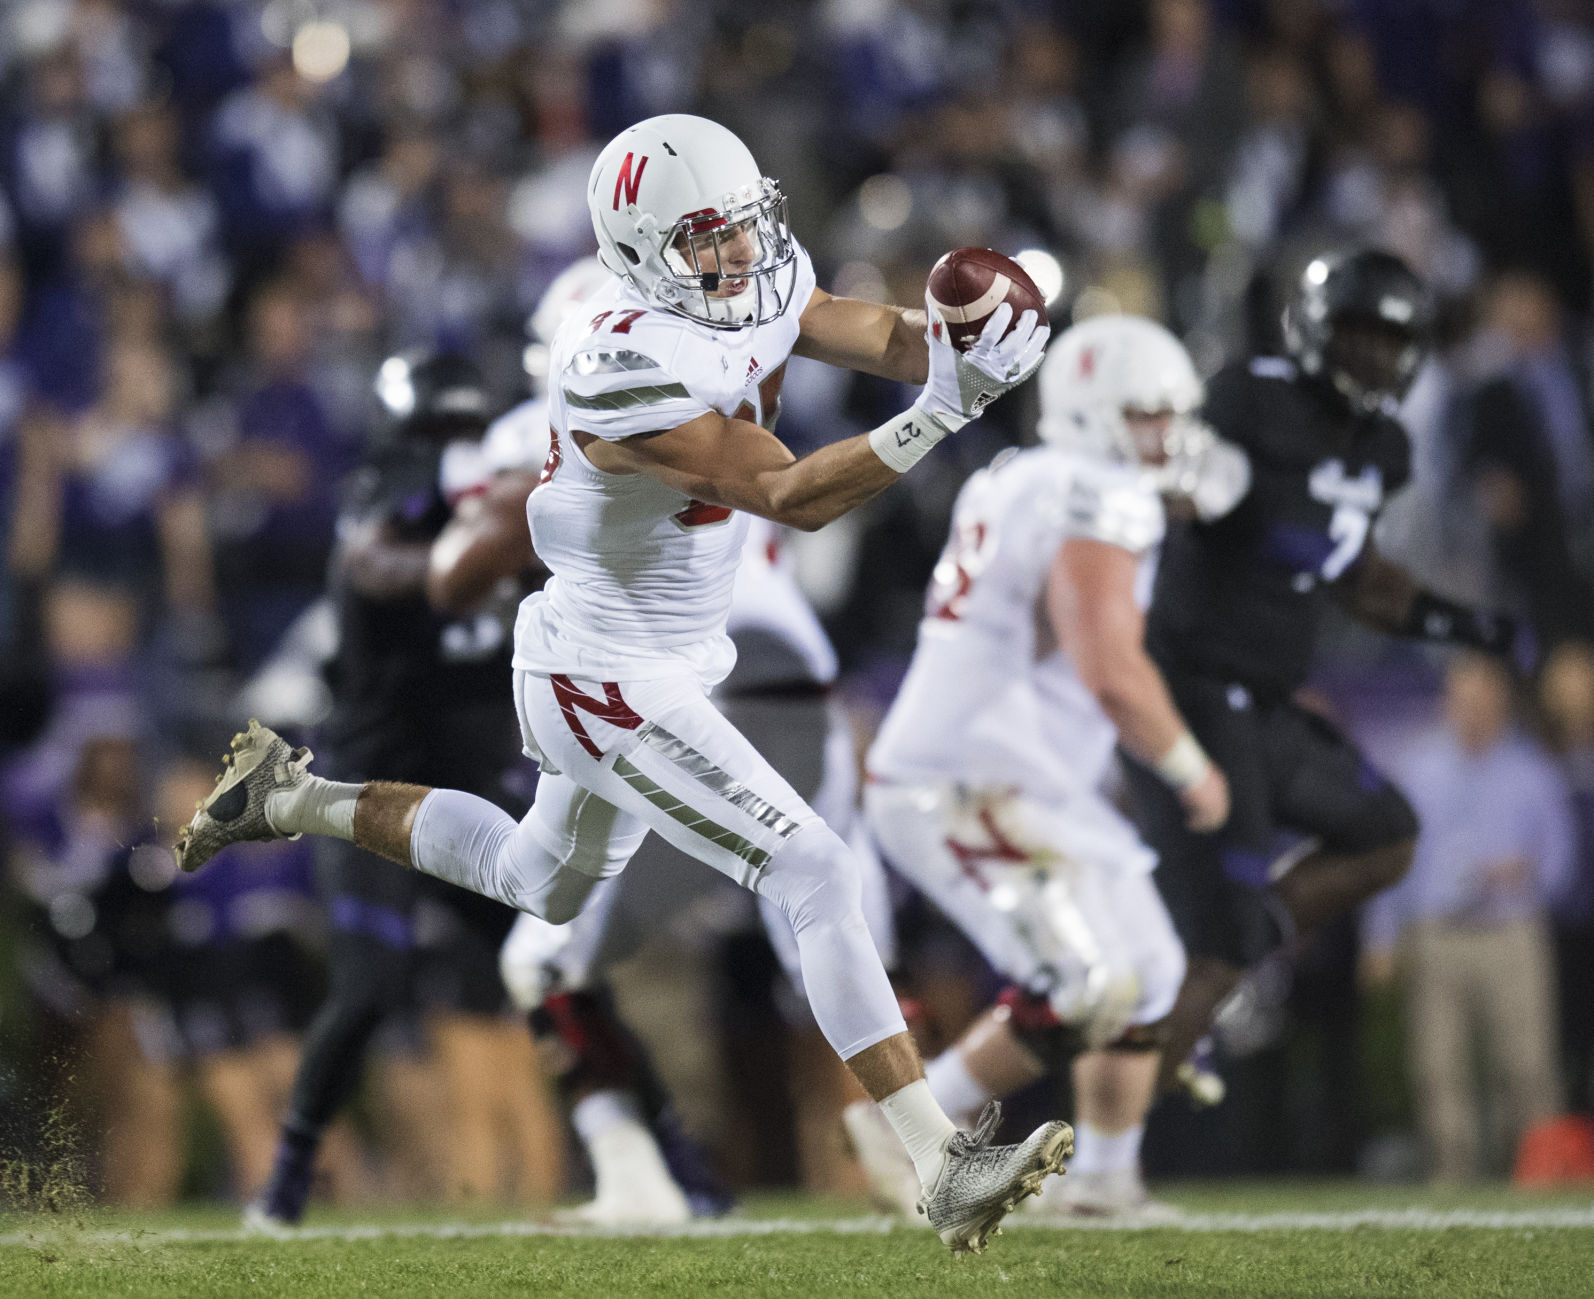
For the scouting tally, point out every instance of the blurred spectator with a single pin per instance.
(1176, 115)
(131, 508)
(171, 227)
(275, 476)
(387, 206)
(1528, 455)
(276, 158)
(51, 151)
(1566, 692)
(1496, 847)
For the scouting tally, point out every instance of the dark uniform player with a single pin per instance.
(417, 697)
(1234, 622)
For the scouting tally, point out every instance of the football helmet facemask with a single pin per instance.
(682, 211)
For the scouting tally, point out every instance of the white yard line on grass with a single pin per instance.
(1413, 1219)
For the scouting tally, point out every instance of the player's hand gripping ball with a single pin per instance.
(968, 284)
(987, 333)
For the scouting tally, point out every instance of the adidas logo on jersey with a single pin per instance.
(754, 369)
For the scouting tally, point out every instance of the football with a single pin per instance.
(968, 284)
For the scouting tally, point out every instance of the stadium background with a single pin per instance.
(217, 216)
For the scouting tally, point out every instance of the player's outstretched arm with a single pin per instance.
(736, 463)
(486, 541)
(1090, 597)
(739, 464)
(1383, 595)
(870, 337)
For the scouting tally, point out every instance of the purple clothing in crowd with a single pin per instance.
(1478, 811)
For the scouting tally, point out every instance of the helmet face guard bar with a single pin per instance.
(752, 239)
(1186, 443)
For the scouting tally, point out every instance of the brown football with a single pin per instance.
(968, 284)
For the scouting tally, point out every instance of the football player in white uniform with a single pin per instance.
(985, 782)
(776, 695)
(660, 450)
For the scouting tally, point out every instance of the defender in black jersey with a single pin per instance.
(1234, 622)
(417, 697)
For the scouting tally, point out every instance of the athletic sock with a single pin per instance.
(955, 1089)
(603, 1111)
(315, 807)
(1096, 1151)
(922, 1126)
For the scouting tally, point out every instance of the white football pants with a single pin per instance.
(809, 742)
(1057, 897)
(620, 759)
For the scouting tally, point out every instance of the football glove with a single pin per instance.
(962, 384)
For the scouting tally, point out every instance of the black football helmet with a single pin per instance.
(436, 396)
(1362, 320)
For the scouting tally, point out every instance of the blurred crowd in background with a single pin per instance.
(217, 216)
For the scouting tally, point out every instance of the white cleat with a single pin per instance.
(980, 1184)
(261, 763)
(893, 1183)
(257, 1222)
(635, 1188)
(1118, 1197)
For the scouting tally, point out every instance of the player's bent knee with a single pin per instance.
(814, 880)
(1161, 972)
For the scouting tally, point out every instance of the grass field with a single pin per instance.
(1236, 1241)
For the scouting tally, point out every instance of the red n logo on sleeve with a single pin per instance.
(627, 181)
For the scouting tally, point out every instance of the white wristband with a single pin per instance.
(905, 439)
(1185, 764)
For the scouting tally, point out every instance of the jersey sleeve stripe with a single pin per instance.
(628, 398)
(617, 362)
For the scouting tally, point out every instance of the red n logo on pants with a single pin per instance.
(611, 708)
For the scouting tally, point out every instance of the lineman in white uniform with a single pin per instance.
(656, 410)
(985, 783)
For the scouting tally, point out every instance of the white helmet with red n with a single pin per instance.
(1109, 367)
(682, 211)
(1106, 365)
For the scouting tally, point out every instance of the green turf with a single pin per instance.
(72, 1259)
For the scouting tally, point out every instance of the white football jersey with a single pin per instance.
(990, 699)
(642, 575)
(778, 637)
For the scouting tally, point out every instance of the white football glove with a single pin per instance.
(962, 384)
(1223, 477)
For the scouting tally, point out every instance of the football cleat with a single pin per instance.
(634, 1187)
(980, 1184)
(893, 1184)
(258, 1220)
(1198, 1075)
(260, 764)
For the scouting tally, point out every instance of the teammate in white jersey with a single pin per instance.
(659, 410)
(985, 783)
